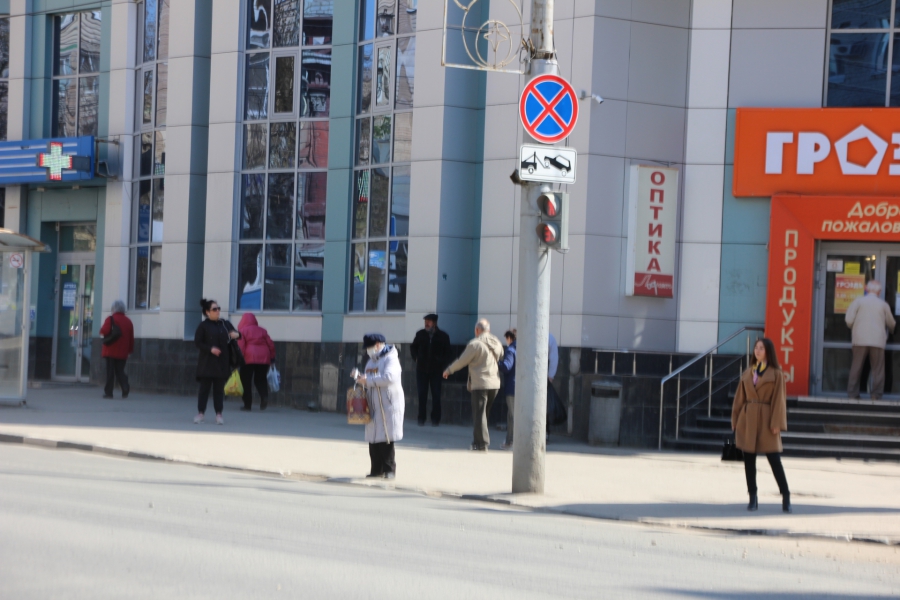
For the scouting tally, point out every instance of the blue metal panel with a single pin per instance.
(19, 159)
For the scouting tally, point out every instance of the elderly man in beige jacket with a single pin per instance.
(869, 318)
(482, 356)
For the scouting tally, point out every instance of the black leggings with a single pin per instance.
(777, 471)
(218, 391)
(382, 457)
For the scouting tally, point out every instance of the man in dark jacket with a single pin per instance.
(117, 351)
(431, 352)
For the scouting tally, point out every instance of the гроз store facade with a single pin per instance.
(311, 162)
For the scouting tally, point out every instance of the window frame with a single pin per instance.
(75, 77)
(4, 95)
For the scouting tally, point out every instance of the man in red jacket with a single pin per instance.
(117, 350)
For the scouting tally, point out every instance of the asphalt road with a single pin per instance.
(76, 525)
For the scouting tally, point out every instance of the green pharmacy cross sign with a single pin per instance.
(56, 162)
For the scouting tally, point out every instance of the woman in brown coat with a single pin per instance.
(758, 417)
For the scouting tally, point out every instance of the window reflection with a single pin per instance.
(378, 211)
(317, 22)
(258, 23)
(857, 72)
(277, 292)
(313, 144)
(159, 201)
(383, 77)
(145, 190)
(311, 188)
(250, 277)
(854, 14)
(67, 44)
(255, 146)
(400, 201)
(364, 101)
(316, 83)
(162, 93)
(282, 146)
(406, 72)
(406, 16)
(88, 103)
(256, 89)
(279, 216)
(381, 140)
(252, 206)
(403, 137)
(90, 42)
(284, 84)
(286, 26)
(309, 265)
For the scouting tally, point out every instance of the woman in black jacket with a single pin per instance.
(214, 364)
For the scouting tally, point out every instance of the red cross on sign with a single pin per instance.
(54, 161)
(548, 108)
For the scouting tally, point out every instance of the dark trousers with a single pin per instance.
(115, 370)
(434, 381)
(482, 400)
(218, 391)
(382, 457)
(876, 362)
(256, 373)
(777, 471)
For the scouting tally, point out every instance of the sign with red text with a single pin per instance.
(652, 218)
(847, 288)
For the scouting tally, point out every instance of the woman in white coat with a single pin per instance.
(386, 404)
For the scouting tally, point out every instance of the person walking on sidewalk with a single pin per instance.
(431, 352)
(758, 417)
(118, 350)
(259, 354)
(212, 338)
(481, 356)
(387, 404)
(869, 318)
(508, 368)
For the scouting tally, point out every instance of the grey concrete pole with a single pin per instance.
(533, 321)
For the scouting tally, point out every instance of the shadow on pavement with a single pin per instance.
(745, 595)
(676, 510)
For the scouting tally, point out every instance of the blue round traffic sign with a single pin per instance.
(548, 108)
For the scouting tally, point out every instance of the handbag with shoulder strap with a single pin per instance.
(115, 332)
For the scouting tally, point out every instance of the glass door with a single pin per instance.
(74, 322)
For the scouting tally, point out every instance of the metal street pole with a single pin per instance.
(529, 441)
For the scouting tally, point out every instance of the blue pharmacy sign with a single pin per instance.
(40, 161)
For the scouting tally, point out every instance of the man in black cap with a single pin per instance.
(431, 352)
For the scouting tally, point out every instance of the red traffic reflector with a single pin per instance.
(548, 233)
(549, 205)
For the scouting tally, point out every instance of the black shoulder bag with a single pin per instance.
(115, 332)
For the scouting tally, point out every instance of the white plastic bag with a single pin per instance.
(274, 379)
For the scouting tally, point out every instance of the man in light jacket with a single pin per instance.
(481, 356)
(869, 318)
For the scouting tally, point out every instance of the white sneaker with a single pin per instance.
(198, 419)
(219, 420)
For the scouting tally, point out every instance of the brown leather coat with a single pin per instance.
(757, 410)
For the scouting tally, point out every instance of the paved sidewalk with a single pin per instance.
(846, 499)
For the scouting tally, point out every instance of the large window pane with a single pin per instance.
(145, 188)
(378, 212)
(67, 44)
(381, 140)
(403, 137)
(856, 14)
(406, 72)
(277, 294)
(252, 202)
(311, 194)
(138, 100)
(147, 106)
(857, 71)
(376, 290)
(4, 47)
(257, 86)
(146, 168)
(309, 265)
(162, 93)
(366, 19)
(151, 19)
(383, 82)
(284, 84)
(407, 14)
(286, 25)
(358, 277)
(317, 22)
(66, 107)
(400, 201)
(90, 42)
(283, 146)
(396, 298)
(280, 213)
(313, 145)
(363, 140)
(258, 23)
(249, 295)
(159, 204)
(162, 52)
(316, 83)
(364, 83)
(4, 109)
(384, 20)
(88, 103)
(361, 205)
(255, 145)
(155, 277)
(141, 276)
(159, 154)
(895, 77)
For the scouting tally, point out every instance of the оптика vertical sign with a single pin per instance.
(652, 219)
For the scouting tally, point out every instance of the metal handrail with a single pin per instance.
(709, 373)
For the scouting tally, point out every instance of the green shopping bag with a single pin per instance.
(234, 387)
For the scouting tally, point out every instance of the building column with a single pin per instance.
(19, 113)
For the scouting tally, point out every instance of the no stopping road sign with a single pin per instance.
(548, 108)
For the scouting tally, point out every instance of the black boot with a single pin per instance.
(786, 503)
(754, 503)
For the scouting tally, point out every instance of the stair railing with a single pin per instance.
(708, 374)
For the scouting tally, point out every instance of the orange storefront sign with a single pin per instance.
(817, 151)
(796, 222)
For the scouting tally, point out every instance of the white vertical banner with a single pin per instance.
(652, 219)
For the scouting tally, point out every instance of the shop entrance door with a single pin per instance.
(74, 303)
(843, 271)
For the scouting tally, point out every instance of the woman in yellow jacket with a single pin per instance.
(758, 417)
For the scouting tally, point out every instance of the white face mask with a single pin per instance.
(373, 352)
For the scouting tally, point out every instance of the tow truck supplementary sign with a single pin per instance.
(548, 108)
(547, 164)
